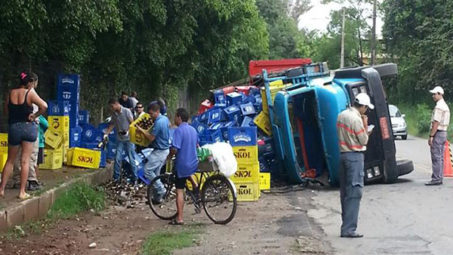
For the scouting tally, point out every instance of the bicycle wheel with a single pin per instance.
(219, 199)
(167, 209)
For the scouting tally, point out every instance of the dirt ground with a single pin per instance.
(276, 224)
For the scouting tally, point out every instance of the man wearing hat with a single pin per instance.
(352, 130)
(440, 119)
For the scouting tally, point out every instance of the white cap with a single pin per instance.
(364, 99)
(437, 89)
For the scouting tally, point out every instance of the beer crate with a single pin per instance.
(242, 136)
(3, 158)
(247, 173)
(137, 137)
(246, 154)
(4, 142)
(53, 159)
(65, 154)
(262, 121)
(275, 87)
(59, 124)
(52, 139)
(265, 181)
(85, 158)
(247, 192)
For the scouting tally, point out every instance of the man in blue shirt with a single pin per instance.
(184, 146)
(159, 137)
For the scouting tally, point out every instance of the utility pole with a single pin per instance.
(342, 41)
(373, 36)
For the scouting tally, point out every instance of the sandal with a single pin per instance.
(175, 222)
(26, 196)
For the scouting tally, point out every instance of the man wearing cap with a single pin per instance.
(440, 119)
(352, 130)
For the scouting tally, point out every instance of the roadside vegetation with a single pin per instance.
(78, 198)
(166, 241)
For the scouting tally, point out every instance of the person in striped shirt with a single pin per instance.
(352, 129)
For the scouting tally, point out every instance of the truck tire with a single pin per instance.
(404, 166)
(404, 137)
(384, 70)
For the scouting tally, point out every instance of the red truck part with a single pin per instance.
(257, 66)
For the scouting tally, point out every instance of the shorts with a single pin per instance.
(180, 183)
(22, 132)
(40, 156)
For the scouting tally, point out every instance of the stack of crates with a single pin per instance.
(56, 142)
(245, 148)
(3, 150)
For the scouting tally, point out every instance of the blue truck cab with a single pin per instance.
(303, 118)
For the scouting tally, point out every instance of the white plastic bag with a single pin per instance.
(223, 155)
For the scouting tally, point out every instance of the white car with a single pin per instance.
(399, 125)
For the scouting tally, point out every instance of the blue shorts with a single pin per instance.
(22, 132)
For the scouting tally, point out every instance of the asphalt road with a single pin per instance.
(402, 218)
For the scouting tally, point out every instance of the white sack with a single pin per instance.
(223, 155)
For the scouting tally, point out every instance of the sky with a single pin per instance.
(319, 17)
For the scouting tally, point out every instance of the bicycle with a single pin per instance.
(217, 197)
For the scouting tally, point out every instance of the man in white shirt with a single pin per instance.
(440, 119)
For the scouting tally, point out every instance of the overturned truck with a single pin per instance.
(303, 111)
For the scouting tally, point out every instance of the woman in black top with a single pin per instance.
(22, 128)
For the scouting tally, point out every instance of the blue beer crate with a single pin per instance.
(234, 98)
(210, 137)
(249, 99)
(254, 91)
(248, 109)
(84, 117)
(58, 108)
(68, 87)
(247, 122)
(90, 134)
(202, 129)
(232, 112)
(111, 150)
(215, 126)
(89, 145)
(242, 136)
(216, 115)
(224, 128)
(75, 136)
(219, 97)
(103, 129)
(103, 162)
(203, 118)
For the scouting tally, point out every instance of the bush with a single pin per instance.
(423, 118)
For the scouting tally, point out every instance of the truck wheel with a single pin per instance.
(404, 166)
(404, 137)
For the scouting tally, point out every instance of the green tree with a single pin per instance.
(418, 35)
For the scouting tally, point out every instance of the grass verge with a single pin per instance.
(165, 241)
(77, 198)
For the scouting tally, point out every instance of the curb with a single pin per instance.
(37, 207)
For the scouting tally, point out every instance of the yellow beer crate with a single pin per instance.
(265, 181)
(246, 154)
(53, 139)
(59, 124)
(85, 158)
(275, 87)
(65, 154)
(69, 155)
(4, 142)
(247, 192)
(247, 173)
(137, 137)
(262, 121)
(53, 159)
(3, 158)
